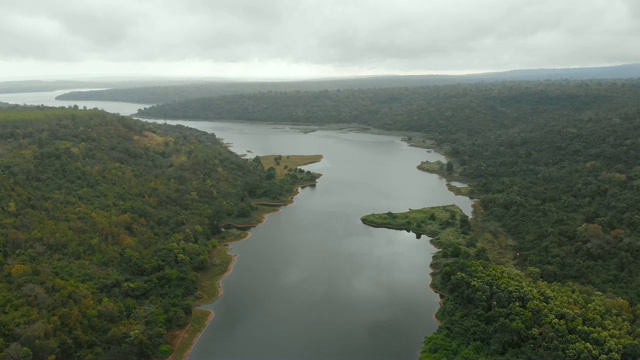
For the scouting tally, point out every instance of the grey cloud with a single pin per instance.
(401, 35)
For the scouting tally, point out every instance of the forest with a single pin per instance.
(554, 165)
(106, 222)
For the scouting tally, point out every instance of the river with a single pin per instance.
(313, 282)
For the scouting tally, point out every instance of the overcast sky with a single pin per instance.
(298, 38)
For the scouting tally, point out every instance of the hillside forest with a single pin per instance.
(105, 224)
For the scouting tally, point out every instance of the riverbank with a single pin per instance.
(210, 281)
(266, 207)
(209, 290)
(289, 201)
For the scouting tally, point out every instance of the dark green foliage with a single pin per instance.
(496, 312)
(448, 110)
(104, 221)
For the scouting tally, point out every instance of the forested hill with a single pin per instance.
(105, 221)
(167, 94)
(446, 109)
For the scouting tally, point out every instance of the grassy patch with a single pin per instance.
(459, 190)
(449, 236)
(282, 163)
(434, 167)
(447, 170)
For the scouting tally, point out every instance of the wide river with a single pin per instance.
(313, 282)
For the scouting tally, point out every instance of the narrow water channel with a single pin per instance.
(312, 281)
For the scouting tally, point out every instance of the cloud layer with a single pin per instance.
(328, 36)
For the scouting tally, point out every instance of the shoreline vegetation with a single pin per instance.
(210, 281)
(450, 172)
(477, 279)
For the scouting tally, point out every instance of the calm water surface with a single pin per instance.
(313, 282)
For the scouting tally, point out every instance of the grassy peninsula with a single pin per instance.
(429, 221)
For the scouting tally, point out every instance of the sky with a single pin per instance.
(295, 39)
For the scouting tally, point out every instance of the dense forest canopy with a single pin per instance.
(555, 166)
(435, 110)
(105, 222)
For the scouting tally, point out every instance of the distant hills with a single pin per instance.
(628, 71)
(155, 91)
